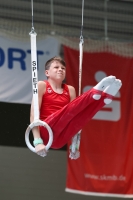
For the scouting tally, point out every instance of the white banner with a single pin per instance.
(15, 67)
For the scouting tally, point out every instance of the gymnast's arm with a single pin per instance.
(35, 130)
(72, 92)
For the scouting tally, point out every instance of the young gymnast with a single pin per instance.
(59, 107)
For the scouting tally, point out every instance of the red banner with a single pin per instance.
(105, 166)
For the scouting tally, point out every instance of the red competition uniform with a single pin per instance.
(64, 117)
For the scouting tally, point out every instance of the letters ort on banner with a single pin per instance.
(105, 167)
(15, 67)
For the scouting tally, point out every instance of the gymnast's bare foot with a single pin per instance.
(102, 85)
(112, 90)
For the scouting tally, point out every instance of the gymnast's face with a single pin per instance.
(56, 71)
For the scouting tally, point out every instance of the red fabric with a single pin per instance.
(52, 101)
(66, 122)
(105, 166)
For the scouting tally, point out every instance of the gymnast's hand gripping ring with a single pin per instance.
(38, 123)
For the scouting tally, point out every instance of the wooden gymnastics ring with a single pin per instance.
(38, 123)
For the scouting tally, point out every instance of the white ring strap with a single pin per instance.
(80, 63)
(76, 138)
(36, 121)
(34, 73)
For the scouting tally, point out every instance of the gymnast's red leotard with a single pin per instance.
(52, 101)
